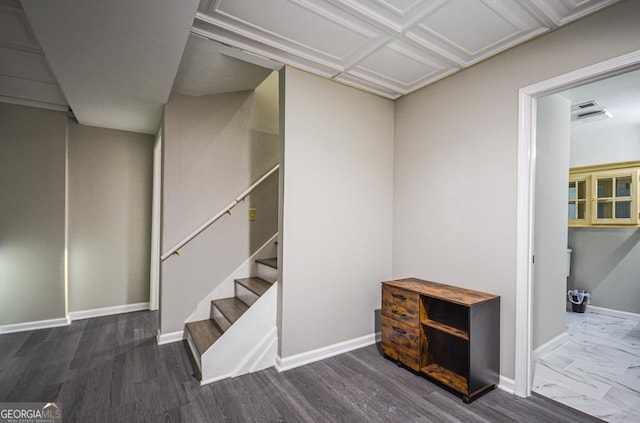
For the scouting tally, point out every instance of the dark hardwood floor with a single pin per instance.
(110, 369)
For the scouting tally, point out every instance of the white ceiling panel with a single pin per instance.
(25, 64)
(14, 27)
(402, 66)
(25, 75)
(391, 60)
(561, 12)
(468, 31)
(395, 16)
(306, 25)
(316, 31)
(273, 51)
(35, 93)
(398, 6)
(469, 25)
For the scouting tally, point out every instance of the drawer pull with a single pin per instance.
(399, 314)
(400, 331)
(399, 296)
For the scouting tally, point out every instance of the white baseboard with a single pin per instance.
(39, 324)
(107, 311)
(214, 379)
(549, 346)
(288, 363)
(613, 313)
(169, 337)
(507, 385)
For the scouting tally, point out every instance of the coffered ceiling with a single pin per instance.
(388, 47)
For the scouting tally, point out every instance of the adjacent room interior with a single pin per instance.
(588, 361)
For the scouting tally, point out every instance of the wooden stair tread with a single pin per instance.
(271, 262)
(231, 308)
(256, 285)
(203, 333)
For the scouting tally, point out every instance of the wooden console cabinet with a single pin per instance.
(449, 334)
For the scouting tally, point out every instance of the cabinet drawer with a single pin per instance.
(400, 305)
(401, 342)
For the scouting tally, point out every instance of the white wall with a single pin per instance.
(455, 160)
(214, 148)
(110, 179)
(32, 213)
(618, 145)
(337, 210)
(553, 127)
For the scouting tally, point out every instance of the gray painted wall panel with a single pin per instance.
(32, 189)
(110, 179)
(336, 240)
(606, 262)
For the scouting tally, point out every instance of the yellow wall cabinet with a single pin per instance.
(604, 195)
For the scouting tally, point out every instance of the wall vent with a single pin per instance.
(600, 114)
(585, 105)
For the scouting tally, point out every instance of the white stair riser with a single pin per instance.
(219, 318)
(267, 273)
(246, 296)
(194, 351)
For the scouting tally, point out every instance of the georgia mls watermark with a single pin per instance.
(30, 412)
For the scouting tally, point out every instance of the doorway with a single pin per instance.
(528, 100)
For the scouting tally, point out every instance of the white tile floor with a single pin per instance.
(597, 370)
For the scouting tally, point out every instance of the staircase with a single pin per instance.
(240, 335)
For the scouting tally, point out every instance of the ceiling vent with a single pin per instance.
(595, 115)
(584, 106)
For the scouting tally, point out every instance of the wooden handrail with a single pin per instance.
(176, 248)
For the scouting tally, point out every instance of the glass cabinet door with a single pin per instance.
(577, 201)
(615, 198)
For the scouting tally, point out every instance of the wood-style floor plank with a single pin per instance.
(111, 369)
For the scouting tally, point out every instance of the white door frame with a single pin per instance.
(156, 210)
(525, 197)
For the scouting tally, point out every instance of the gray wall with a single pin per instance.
(32, 199)
(455, 160)
(606, 262)
(550, 227)
(109, 191)
(110, 179)
(215, 147)
(337, 210)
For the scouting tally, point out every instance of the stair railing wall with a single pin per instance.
(226, 210)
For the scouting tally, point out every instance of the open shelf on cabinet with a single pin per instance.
(447, 377)
(446, 328)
